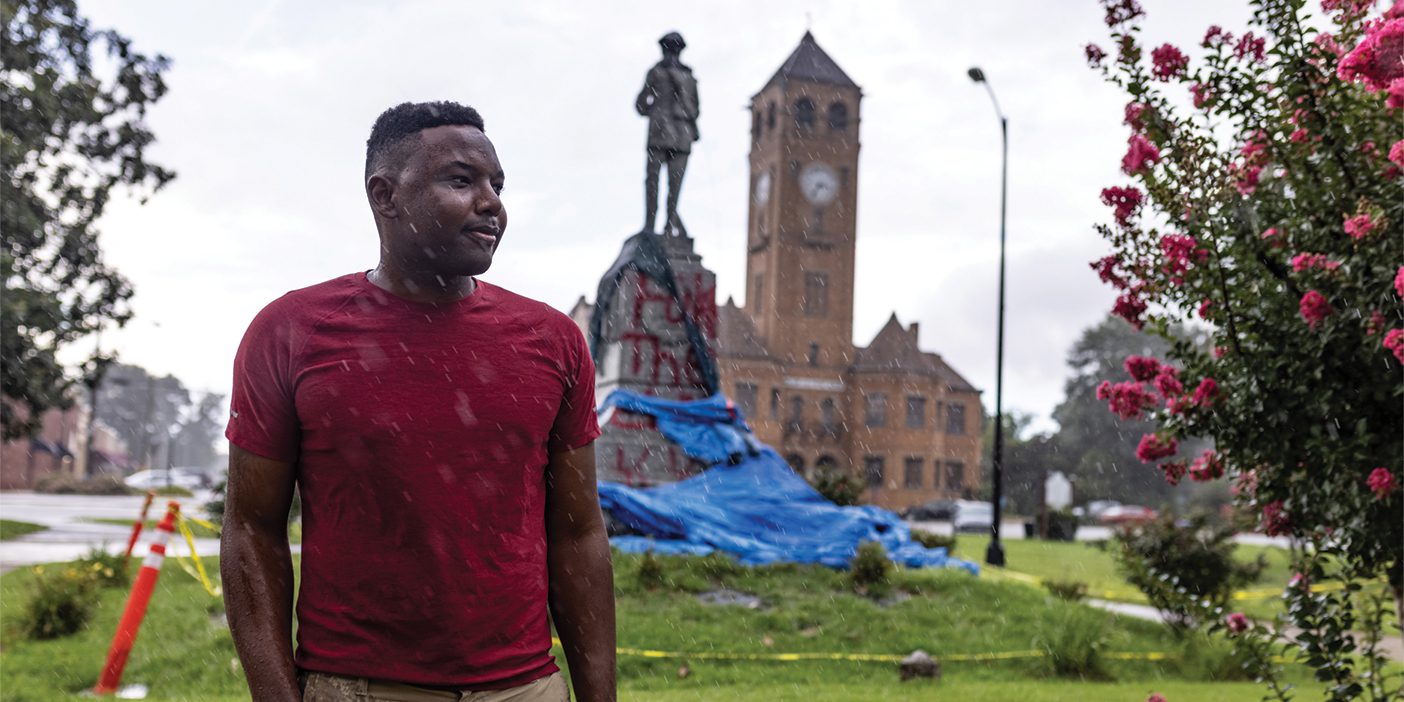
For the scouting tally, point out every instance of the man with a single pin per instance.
(439, 429)
(669, 100)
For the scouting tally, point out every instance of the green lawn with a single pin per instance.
(10, 529)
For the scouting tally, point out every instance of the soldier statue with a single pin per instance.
(669, 100)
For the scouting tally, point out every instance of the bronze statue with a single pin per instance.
(669, 100)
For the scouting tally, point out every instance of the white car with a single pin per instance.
(156, 479)
(973, 517)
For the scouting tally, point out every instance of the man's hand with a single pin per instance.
(581, 576)
(256, 569)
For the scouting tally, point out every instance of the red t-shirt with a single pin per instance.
(421, 435)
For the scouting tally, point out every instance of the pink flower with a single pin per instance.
(1314, 308)
(1180, 251)
(1140, 153)
(1347, 10)
(1245, 178)
(1376, 323)
(1124, 201)
(1205, 393)
(1299, 581)
(1209, 466)
(1381, 482)
(1396, 151)
(1168, 62)
(1276, 522)
(1274, 239)
(1155, 697)
(1399, 282)
(1168, 382)
(1236, 623)
(1201, 93)
(1245, 484)
(1130, 308)
(1219, 351)
(1249, 46)
(1126, 400)
(1094, 55)
(1394, 341)
(1378, 59)
(1360, 226)
(1327, 43)
(1174, 471)
(1300, 136)
(1141, 368)
(1106, 271)
(1215, 36)
(1135, 115)
(1308, 261)
(1152, 448)
(1394, 94)
(1204, 308)
(1122, 11)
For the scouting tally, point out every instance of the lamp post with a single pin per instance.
(994, 555)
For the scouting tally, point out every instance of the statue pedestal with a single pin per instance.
(643, 347)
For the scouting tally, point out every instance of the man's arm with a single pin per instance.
(256, 569)
(581, 576)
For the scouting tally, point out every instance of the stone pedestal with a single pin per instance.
(644, 348)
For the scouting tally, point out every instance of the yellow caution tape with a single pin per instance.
(868, 657)
(198, 572)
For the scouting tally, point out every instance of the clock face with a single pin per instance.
(819, 183)
(763, 188)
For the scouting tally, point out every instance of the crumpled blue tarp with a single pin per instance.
(750, 503)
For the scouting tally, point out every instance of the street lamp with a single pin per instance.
(994, 555)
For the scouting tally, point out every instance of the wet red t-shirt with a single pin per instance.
(421, 435)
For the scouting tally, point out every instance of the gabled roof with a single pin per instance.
(808, 62)
(736, 333)
(895, 350)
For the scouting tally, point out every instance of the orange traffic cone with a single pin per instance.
(136, 605)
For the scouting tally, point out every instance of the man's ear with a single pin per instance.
(380, 191)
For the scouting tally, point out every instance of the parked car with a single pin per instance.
(973, 517)
(1123, 515)
(935, 510)
(159, 478)
(1095, 508)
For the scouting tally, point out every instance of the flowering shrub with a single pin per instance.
(1265, 199)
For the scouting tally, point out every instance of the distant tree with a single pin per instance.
(201, 426)
(75, 104)
(1028, 460)
(143, 410)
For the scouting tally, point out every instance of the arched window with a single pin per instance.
(796, 462)
(804, 113)
(838, 117)
(827, 416)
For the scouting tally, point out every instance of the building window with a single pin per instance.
(955, 419)
(955, 476)
(796, 409)
(827, 417)
(770, 116)
(874, 470)
(875, 409)
(796, 462)
(755, 124)
(816, 294)
(759, 293)
(838, 117)
(804, 113)
(916, 411)
(813, 353)
(911, 472)
(826, 464)
(747, 397)
(775, 403)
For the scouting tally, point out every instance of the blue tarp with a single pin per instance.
(749, 503)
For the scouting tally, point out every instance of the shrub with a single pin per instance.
(56, 484)
(61, 603)
(103, 484)
(1214, 658)
(1183, 569)
(106, 569)
(1070, 590)
(1072, 642)
(870, 572)
(930, 540)
(1062, 525)
(837, 486)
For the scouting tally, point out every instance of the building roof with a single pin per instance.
(810, 63)
(736, 333)
(895, 350)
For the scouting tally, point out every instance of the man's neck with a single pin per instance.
(421, 287)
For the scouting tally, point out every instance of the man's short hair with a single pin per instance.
(403, 121)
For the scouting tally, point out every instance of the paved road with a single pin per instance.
(70, 536)
(1013, 530)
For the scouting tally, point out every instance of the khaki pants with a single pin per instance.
(320, 687)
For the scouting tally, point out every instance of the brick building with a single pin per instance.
(899, 416)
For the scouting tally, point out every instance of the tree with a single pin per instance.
(1267, 203)
(1027, 461)
(145, 411)
(74, 131)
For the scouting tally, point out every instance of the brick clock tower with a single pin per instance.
(803, 214)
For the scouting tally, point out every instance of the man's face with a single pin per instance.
(447, 193)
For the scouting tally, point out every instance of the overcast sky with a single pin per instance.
(270, 104)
